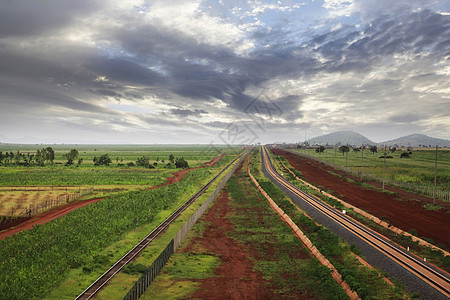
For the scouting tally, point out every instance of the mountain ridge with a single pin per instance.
(356, 139)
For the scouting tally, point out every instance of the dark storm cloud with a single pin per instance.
(37, 98)
(25, 17)
(46, 62)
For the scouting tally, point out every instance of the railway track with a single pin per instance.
(97, 285)
(438, 279)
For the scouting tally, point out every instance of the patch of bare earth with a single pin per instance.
(235, 277)
(403, 210)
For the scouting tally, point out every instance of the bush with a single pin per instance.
(404, 155)
(103, 160)
(134, 269)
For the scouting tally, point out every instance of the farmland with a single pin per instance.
(63, 245)
(22, 185)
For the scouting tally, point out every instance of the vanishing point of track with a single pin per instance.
(437, 279)
(95, 287)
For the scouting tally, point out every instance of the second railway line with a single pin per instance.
(420, 277)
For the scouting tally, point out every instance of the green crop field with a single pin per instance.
(75, 240)
(419, 168)
(21, 168)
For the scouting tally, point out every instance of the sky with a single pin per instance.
(215, 72)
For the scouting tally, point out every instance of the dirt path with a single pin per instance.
(404, 210)
(57, 212)
(47, 216)
(234, 278)
(180, 174)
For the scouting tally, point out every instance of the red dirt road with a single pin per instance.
(404, 211)
(60, 211)
(234, 278)
(180, 174)
(47, 216)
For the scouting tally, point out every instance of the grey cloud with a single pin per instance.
(37, 97)
(188, 112)
(405, 118)
(123, 71)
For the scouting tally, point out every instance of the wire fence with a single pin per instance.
(35, 208)
(424, 190)
(150, 274)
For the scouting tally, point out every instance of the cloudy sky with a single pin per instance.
(136, 71)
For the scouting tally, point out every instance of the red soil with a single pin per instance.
(403, 210)
(234, 278)
(47, 216)
(6, 223)
(180, 174)
(57, 212)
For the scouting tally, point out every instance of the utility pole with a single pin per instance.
(435, 176)
(334, 154)
(362, 158)
(384, 166)
(346, 157)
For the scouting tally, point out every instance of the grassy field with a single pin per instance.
(418, 169)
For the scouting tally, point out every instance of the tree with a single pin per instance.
(404, 155)
(181, 163)
(103, 160)
(71, 156)
(17, 157)
(39, 157)
(80, 161)
(344, 148)
(373, 149)
(393, 149)
(320, 149)
(1, 157)
(171, 158)
(143, 161)
(49, 154)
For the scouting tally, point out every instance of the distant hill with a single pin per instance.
(341, 138)
(417, 140)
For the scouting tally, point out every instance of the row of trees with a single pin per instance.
(47, 155)
(374, 149)
(144, 161)
(42, 156)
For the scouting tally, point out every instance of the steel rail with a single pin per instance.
(100, 282)
(422, 270)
